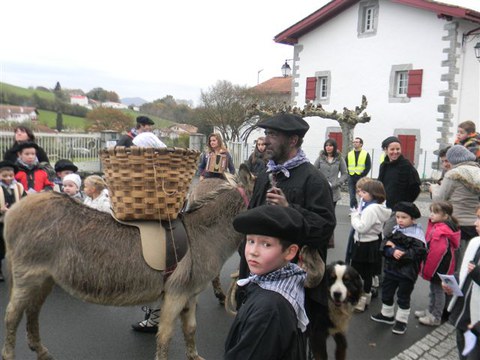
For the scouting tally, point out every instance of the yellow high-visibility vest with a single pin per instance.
(382, 157)
(360, 166)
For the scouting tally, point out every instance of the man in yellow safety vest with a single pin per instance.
(358, 165)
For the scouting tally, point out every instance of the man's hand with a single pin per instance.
(275, 196)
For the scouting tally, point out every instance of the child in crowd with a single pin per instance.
(464, 310)
(272, 321)
(72, 184)
(10, 192)
(404, 250)
(368, 223)
(30, 175)
(96, 193)
(443, 238)
(63, 167)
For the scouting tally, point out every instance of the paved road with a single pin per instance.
(75, 330)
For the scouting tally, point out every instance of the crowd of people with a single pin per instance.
(292, 211)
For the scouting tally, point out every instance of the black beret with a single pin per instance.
(25, 145)
(65, 164)
(271, 220)
(389, 140)
(287, 123)
(8, 164)
(408, 208)
(144, 120)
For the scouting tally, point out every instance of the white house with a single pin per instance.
(414, 60)
(81, 100)
(114, 105)
(18, 113)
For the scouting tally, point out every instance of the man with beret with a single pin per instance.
(292, 181)
(144, 124)
(271, 324)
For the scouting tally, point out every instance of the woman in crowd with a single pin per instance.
(216, 160)
(257, 162)
(24, 134)
(331, 164)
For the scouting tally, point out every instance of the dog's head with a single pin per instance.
(344, 283)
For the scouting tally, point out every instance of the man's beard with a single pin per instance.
(279, 156)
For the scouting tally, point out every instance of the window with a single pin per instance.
(401, 83)
(405, 83)
(323, 87)
(369, 21)
(318, 88)
(367, 18)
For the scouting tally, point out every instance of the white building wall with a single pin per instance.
(362, 66)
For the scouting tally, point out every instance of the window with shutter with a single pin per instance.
(415, 83)
(311, 88)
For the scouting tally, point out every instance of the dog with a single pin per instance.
(345, 287)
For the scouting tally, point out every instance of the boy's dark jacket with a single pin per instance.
(408, 265)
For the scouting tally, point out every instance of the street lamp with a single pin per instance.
(477, 51)
(286, 69)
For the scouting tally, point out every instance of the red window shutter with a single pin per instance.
(415, 83)
(311, 88)
(337, 136)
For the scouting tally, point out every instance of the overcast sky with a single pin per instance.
(148, 48)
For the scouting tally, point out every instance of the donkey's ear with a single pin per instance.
(246, 177)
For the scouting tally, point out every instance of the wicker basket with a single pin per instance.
(148, 183)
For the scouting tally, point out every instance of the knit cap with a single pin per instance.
(458, 154)
(75, 178)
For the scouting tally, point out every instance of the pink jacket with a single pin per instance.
(442, 242)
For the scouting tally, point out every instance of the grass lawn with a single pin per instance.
(49, 118)
(12, 89)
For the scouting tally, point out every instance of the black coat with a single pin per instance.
(400, 179)
(307, 190)
(265, 328)
(408, 266)
(11, 155)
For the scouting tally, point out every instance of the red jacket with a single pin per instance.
(34, 178)
(442, 242)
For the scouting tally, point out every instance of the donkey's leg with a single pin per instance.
(218, 291)
(172, 306)
(33, 312)
(13, 316)
(189, 327)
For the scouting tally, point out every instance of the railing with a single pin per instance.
(82, 149)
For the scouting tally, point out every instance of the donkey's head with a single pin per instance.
(244, 178)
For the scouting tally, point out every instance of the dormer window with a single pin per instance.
(367, 18)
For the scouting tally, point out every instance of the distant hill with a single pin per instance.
(133, 101)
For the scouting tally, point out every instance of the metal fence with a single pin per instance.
(82, 149)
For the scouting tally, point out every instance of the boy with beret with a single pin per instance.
(144, 124)
(272, 320)
(30, 175)
(63, 167)
(10, 192)
(404, 250)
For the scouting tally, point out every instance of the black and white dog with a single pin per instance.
(344, 290)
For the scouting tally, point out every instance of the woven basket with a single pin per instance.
(148, 183)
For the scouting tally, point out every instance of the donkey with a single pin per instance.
(52, 239)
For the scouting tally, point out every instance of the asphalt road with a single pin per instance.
(74, 330)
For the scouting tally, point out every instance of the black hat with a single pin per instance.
(271, 220)
(408, 208)
(389, 140)
(8, 164)
(287, 123)
(144, 120)
(25, 145)
(65, 164)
